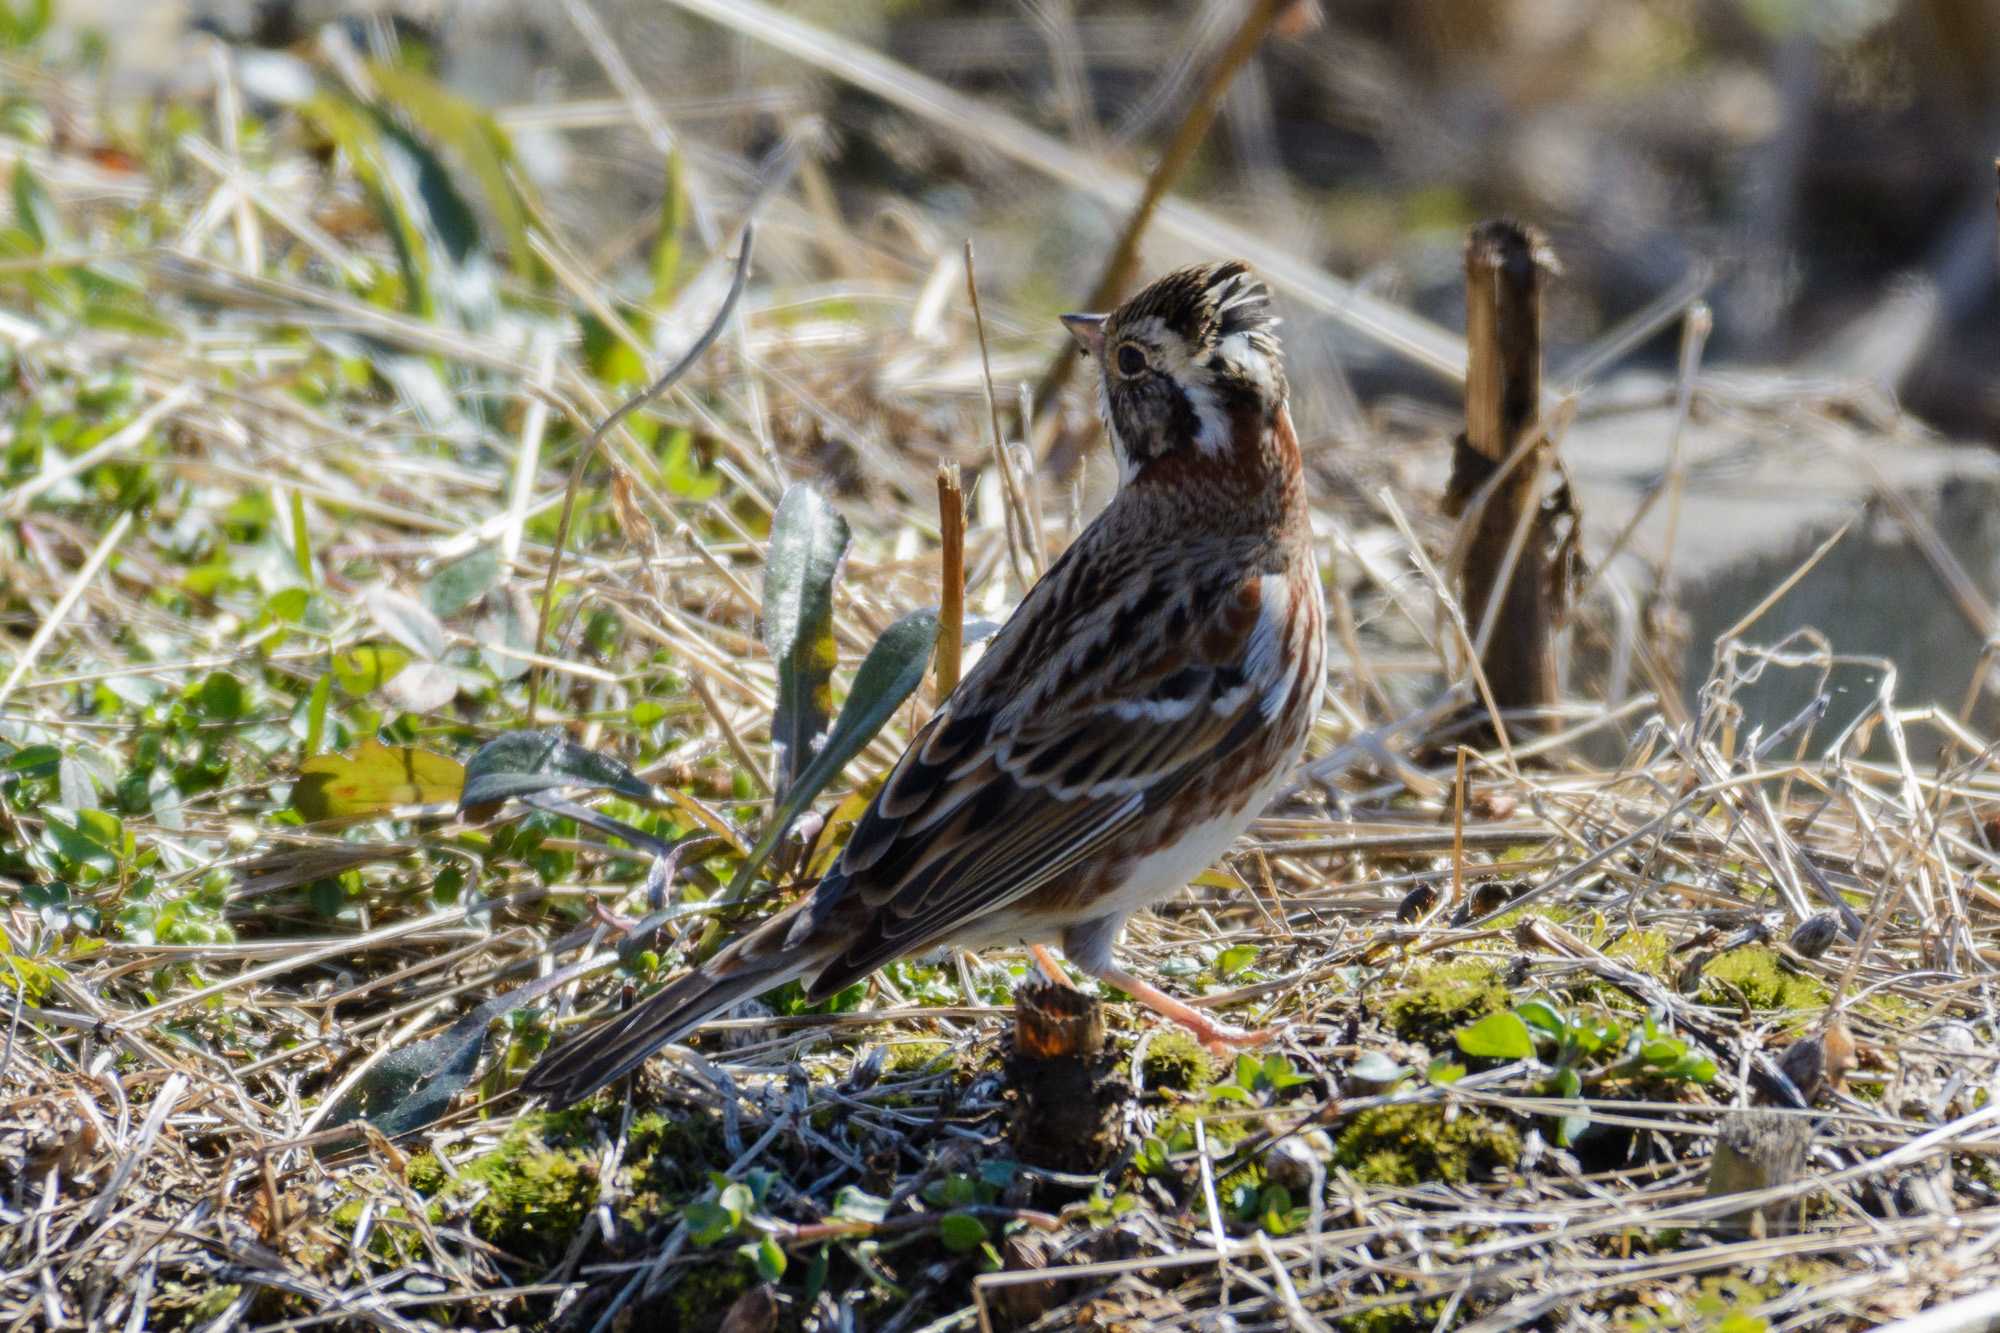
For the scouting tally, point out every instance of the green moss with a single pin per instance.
(1438, 1000)
(212, 1304)
(1648, 951)
(669, 1160)
(700, 1299)
(536, 1196)
(1719, 1300)
(1408, 1145)
(912, 1058)
(1411, 1316)
(393, 1238)
(1176, 1060)
(427, 1174)
(1757, 974)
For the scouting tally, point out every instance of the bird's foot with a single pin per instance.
(1218, 1037)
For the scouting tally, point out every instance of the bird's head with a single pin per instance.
(1185, 364)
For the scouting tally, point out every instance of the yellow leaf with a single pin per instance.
(376, 778)
(1222, 877)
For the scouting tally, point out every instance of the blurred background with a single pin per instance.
(1822, 175)
(1830, 161)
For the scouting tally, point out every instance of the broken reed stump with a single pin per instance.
(1758, 1149)
(1516, 549)
(1069, 1100)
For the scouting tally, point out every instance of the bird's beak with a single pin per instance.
(1088, 330)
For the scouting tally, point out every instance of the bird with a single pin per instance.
(1141, 706)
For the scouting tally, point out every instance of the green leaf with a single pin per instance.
(521, 763)
(686, 475)
(1444, 1072)
(316, 706)
(359, 136)
(476, 143)
(124, 317)
(808, 540)
(33, 209)
(376, 778)
(709, 1222)
(85, 840)
(890, 673)
(1663, 1052)
(1280, 1073)
(302, 551)
(1497, 1037)
(961, 1232)
(1566, 1082)
(35, 761)
(1235, 959)
(462, 582)
(221, 697)
(1695, 1069)
(666, 265)
(368, 667)
(766, 1257)
(22, 27)
(1542, 1018)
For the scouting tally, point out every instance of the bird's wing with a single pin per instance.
(1114, 685)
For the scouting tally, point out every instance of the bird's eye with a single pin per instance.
(1130, 360)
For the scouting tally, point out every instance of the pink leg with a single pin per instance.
(1216, 1036)
(1049, 966)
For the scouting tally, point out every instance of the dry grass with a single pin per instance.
(206, 510)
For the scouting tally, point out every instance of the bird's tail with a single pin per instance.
(752, 965)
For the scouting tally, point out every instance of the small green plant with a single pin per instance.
(1259, 1081)
(1585, 1049)
(736, 1210)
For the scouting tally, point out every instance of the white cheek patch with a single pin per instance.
(1211, 429)
(1249, 362)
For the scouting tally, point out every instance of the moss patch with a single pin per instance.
(1176, 1060)
(1758, 975)
(536, 1196)
(700, 1299)
(1440, 999)
(1719, 1300)
(909, 1059)
(427, 1174)
(1408, 1145)
(1648, 951)
(1413, 1316)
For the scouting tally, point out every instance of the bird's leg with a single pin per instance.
(1050, 968)
(1216, 1036)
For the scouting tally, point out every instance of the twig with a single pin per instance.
(1017, 509)
(951, 593)
(1188, 136)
